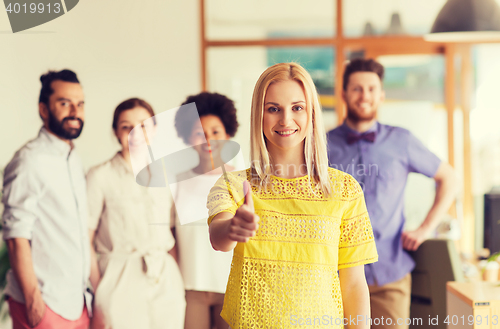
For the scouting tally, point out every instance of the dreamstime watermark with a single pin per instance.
(25, 14)
(158, 162)
(359, 169)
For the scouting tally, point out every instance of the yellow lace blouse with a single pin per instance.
(286, 275)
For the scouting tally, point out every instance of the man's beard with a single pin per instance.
(353, 116)
(57, 127)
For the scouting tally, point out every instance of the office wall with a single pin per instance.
(118, 48)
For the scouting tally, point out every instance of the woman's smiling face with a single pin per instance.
(127, 121)
(285, 119)
(209, 127)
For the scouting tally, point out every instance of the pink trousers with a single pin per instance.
(50, 319)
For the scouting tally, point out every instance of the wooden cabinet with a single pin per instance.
(473, 305)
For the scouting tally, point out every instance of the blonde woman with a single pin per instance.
(299, 230)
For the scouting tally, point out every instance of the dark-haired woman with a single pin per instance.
(138, 284)
(204, 271)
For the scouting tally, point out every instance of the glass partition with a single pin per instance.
(268, 19)
(389, 17)
(233, 71)
(414, 88)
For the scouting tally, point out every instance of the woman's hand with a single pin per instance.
(227, 230)
(244, 224)
(95, 275)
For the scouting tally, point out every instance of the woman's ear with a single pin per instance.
(116, 135)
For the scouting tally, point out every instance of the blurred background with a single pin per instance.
(442, 91)
(444, 87)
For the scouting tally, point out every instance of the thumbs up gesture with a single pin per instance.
(244, 224)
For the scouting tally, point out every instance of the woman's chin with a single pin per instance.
(207, 154)
(138, 148)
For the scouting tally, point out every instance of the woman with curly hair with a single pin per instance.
(204, 270)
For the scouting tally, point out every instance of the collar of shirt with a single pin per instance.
(121, 164)
(60, 146)
(346, 129)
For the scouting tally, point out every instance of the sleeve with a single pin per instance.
(420, 159)
(356, 244)
(95, 199)
(223, 196)
(173, 214)
(174, 197)
(20, 199)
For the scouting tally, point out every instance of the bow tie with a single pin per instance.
(353, 137)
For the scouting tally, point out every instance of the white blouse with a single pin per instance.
(141, 285)
(202, 268)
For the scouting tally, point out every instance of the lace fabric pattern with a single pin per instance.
(275, 294)
(288, 271)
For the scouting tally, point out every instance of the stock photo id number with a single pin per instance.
(33, 8)
(24, 15)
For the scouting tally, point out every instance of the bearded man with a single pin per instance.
(380, 157)
(45, 216)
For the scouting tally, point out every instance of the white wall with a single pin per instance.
(118, 48)
(227, 75)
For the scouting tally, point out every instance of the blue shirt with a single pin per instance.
(382, 168)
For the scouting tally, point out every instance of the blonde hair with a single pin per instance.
(315, 140)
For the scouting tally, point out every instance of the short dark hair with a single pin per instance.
(362, 65)
(207, 104)
(130, 104)
(49, 77)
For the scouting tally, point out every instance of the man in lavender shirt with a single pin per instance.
(380, 157)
